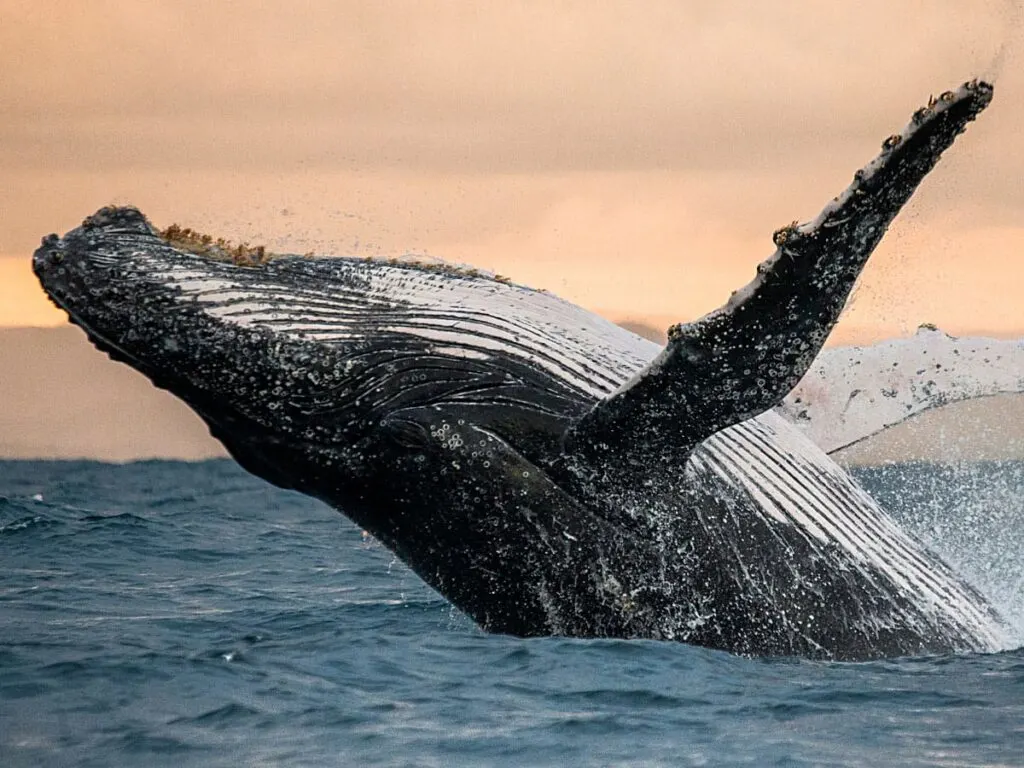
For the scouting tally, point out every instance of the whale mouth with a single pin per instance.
(75, 275)
(62, 279)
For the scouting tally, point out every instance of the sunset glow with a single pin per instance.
(22, 301)
(635, 163)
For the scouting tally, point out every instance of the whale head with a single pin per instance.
(377, 387)
(128, 288)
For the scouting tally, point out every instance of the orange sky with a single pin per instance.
(633, 157)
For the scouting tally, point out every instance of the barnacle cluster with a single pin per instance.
(245, 255)
(946, 97)
(219, 249)
(892, 142)
(782, 235)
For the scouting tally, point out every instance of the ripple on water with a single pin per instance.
(234, 624)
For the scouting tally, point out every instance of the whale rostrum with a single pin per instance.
(545, 470)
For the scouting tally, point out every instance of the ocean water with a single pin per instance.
(163, 613)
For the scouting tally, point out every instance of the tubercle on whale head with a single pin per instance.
(119, 218)
(72, 268)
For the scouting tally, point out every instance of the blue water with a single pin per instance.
(163, 613)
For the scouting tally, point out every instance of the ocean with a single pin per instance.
(178, 614)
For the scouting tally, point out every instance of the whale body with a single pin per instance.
(545, 470)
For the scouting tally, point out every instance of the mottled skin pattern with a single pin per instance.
(533, 507)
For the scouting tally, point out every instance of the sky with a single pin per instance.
(634, 157)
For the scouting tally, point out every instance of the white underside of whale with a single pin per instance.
(851, 393)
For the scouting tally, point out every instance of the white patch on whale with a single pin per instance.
(850, 393)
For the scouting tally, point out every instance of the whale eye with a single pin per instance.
(407, 433)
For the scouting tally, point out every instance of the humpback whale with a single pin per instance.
(546, 471)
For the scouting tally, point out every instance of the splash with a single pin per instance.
(971, 514)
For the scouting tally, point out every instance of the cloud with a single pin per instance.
(473, 87)
(624, 154)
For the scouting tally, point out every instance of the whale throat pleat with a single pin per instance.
(796, 488)
(451, 319)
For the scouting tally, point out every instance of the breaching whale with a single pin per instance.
(547, 471)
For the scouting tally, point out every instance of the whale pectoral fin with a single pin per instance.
(852, 393)
(743, 358)
(490, 530)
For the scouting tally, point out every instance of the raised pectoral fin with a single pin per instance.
(743, 358)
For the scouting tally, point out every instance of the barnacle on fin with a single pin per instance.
(892, 141)
(782, 235)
